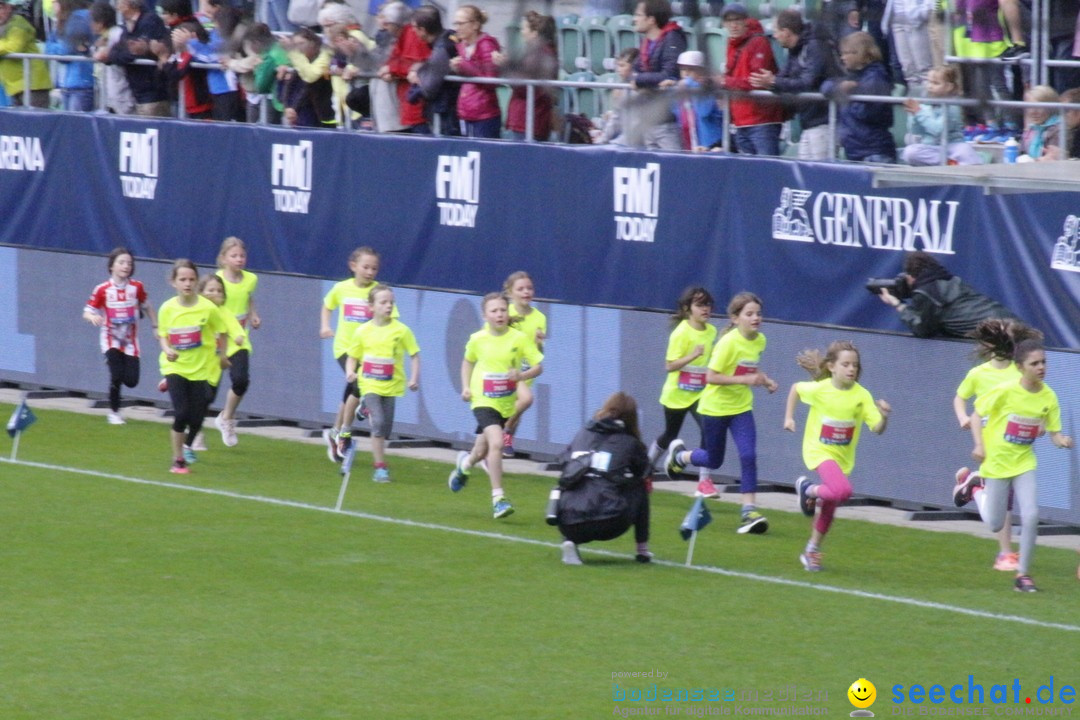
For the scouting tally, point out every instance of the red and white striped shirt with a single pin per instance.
(119, 305)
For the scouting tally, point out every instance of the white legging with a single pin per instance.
(993, 504)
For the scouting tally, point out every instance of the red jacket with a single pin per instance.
(478, 102)
(408, 50)
(540, 62)
(745, 56)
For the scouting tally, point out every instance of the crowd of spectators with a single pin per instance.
(214, 62)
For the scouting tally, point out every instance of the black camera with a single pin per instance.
(897, 286)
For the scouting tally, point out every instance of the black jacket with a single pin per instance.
(810, 63)
(146, 81)
(950, 308)
(611, 493)
(662, 63)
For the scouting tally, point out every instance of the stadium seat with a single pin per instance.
(604, 96)
(599, 43)
(513, 40)
(713, 42)
(585, 101)
(622, 30)
(571, 42)
(687, 25)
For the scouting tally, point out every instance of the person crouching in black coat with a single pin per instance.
(606, 481)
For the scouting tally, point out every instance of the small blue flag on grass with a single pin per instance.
(696, 519)
(22, 418)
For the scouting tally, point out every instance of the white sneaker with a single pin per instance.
(228, 430)
(115, 418)
(570, 554)
(200, 442)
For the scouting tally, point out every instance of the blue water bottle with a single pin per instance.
(1011, 152)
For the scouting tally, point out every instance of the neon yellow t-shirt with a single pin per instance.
(238, 303)
(835, 422)
(494, 357)
(353, 306)
(192, 332)
(232, 329)
(683, 387)
(732, 355)
(380, 354)
(981, 379)
(1014, 419)
(527, 326)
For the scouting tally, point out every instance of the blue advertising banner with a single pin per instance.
(593, 225)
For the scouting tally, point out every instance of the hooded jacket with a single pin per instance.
(947, 306)
(745, 56)
(659, 59)
(866, 127)
(620, 490)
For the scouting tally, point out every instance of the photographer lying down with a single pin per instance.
(938, 303)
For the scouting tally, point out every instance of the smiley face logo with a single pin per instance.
(862, 693)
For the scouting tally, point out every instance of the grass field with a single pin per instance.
(251, 598)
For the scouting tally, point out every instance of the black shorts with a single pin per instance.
(486, 417)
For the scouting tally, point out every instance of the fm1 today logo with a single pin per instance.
(291, 168)
(457, 189)
(139, 164)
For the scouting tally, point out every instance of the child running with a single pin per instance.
(533, 324)
(351, 298)
(727, 403)
(212, 287)
(188, 326)
(490, 373)
(839, 406)
(240, 303)
(1016, 413)
(689, 348)
(378, 350)
(114, 307)
(997, 338)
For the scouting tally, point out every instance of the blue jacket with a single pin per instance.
(662, 60)
(75, 41)
(866, 127)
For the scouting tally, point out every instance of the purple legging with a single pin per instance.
(833, 491)
(714, 430)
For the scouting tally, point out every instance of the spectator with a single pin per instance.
(225, 34)
(1064, 42)
(872, 12)
(979, 36)
(17, 36)
(276, 15)
(147, 84)
(72, 36)
(1042, 127)
(656, 67)
(927, 122)
(810, 63)
(440, 97)
(385, 113)
(342, 32)
(865, 127)
(308, 94)
(1072, 123)
(275, 61)
(614, 120)
(941, 304)
(757, 123)
(117, 94)
(407, 53)
(189, 42)
(604, 499)
(243, 61)
(701, 124)
(906, 22)
(478, 105)
(539, 61)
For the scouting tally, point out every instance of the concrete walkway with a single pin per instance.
(766, 500)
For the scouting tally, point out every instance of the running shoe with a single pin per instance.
(179, 467)
(508, 445)
(811, 561)
(501, 508)
(330, 438)
(1024, 583)
(570, 554)
(706, 489)
(115, 418)
(1014, 53)
(189, 455)
(966, 482)
(458, 478)
(674, 467)
(644, 557)
(382, 475)
(344, 442)
(362, 412)
(1007, 561)
(806, 503)
(753, 522)
(228, 430)
(199, 443)
(163, 385)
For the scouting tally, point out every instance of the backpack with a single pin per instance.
(578, 129)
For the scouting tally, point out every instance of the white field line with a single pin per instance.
(899, 599)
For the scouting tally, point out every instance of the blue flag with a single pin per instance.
(22, 418)
(696, 519)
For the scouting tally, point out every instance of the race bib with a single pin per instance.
(499, 385)
(187, 338)
(746, 367)
(836, 432)
(1022, 430)
(119, 313)
(692, 378)
(376, 368)
(357, 311)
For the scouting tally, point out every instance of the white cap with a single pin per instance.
(692, 58)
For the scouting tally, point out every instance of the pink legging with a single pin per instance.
(834, 490)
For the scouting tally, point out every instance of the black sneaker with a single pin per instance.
(1024, 583)
(1014, 53)
(964, 490)
(806, 503)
